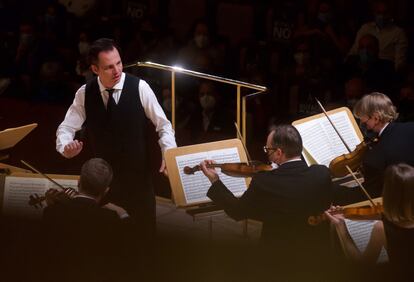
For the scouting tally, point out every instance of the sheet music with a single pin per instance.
(196, 186)
(18, 189)
(322, 142)
(360, 231)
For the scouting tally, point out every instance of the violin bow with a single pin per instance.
(244, 145)
(349, 150)
(42, 174)
(333, 125)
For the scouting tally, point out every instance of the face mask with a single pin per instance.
(301, 58)
(381, 21)
(368, 133)
(207, 102)
(366, 57)
(26, 39)
(83, 48)
(201, 40)
(50, 20)
(324, 17)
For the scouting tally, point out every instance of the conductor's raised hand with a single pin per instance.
(211, 173)
(72, 149)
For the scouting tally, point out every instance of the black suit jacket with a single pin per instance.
(84, 242)
(282, 199)
(395, 145)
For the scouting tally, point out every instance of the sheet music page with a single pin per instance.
(196, 186)
(322, 142)
(360, 231)
(17, 191)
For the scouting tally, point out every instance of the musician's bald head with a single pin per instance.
(96, 176)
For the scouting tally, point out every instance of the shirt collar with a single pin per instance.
(85, 196)
(291, 160)
(117, 86)
(382, 130)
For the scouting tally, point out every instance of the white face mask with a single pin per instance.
(207, 102)
(83, 48)
(201, 41)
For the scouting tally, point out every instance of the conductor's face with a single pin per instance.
(108, 68)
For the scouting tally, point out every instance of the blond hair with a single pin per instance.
(376, 103)
(398, 193)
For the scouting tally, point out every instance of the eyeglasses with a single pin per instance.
(268, 149)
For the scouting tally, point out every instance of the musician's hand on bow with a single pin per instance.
(335, 216)
(211, 173)
(70, 192)
(72, 149)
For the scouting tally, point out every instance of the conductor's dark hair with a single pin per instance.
(96, 176)
(98, 46)
(287, 138)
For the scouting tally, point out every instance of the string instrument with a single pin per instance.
(353, 159)
(234, 169)
(52, 195)
(354, 213)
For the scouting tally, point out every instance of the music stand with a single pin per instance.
(11, 136)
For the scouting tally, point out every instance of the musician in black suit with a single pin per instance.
(395, 140)
(282, 199)
(86, 242)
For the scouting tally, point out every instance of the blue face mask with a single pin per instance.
(366, 57)
(324, 17)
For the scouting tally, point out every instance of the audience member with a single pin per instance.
(392, 39)
(212, 121)
(378, 74)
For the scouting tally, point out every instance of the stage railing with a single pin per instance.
(241, 101)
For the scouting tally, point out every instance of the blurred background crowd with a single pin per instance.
(335, 50)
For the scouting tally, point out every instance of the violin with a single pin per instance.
(52, 196)
(234, 169)
(354, 213)
(338, 166)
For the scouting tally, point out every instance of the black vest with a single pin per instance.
(120, 139)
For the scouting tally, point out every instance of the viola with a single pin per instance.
(234, 169)
(354, 213)
(353, 160)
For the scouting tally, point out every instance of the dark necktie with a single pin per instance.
(111, 101)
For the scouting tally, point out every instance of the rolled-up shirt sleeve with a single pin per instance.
(155, 113)
(75, 117)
